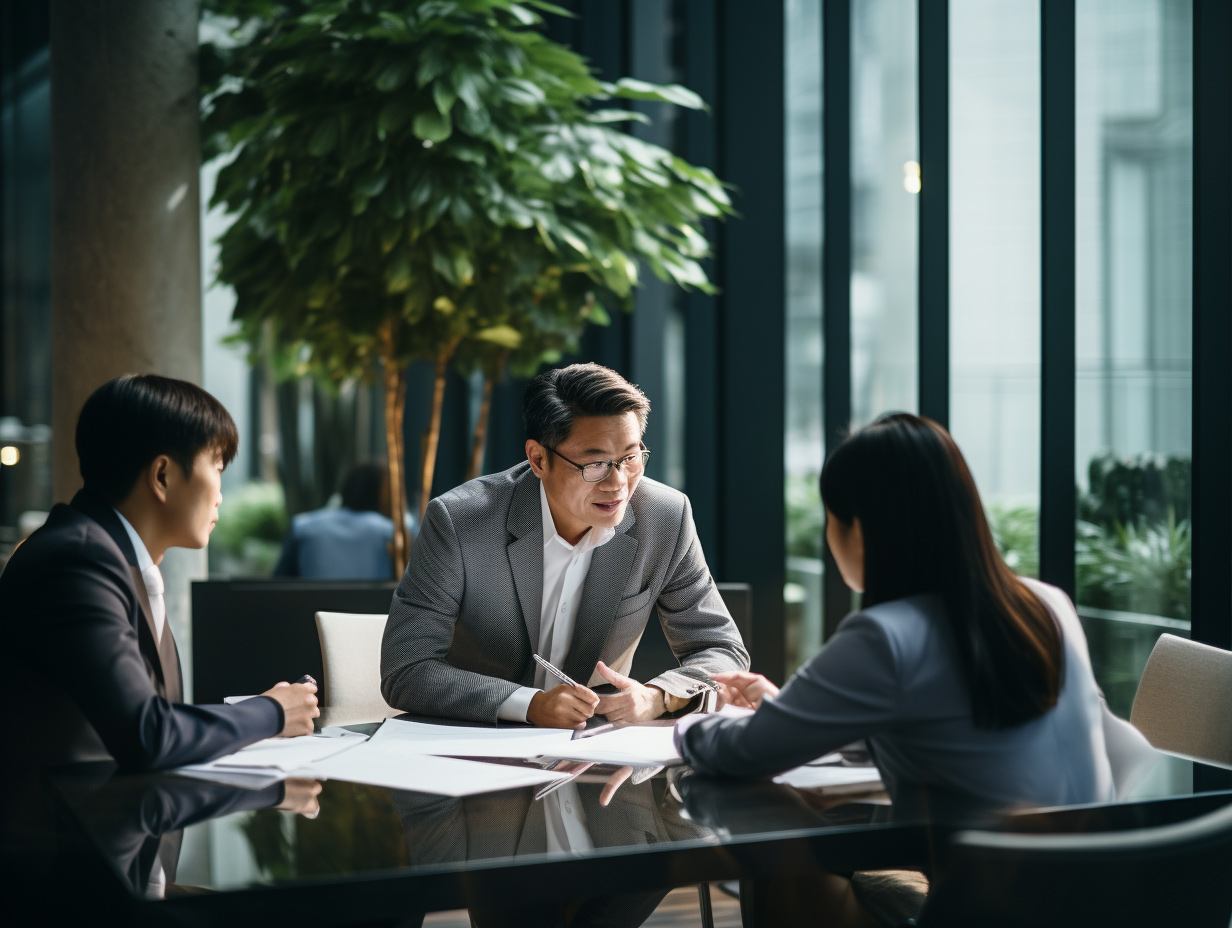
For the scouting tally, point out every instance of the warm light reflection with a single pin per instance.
(911, 177)
(9, 455)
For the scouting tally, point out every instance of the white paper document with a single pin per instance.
(461, 741)
(273, 759)
(831, 777)
(633, 745)
(390, 764)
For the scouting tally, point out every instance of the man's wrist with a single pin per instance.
(668, 702)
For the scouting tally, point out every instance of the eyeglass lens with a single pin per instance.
(633, 464)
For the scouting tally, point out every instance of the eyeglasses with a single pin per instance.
(597, 471)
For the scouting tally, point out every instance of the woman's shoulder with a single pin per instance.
(908, 625)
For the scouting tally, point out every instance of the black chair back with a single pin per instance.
(249, 634)
(1172, 874)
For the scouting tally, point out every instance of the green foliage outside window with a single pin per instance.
(249, 533)
(1133, 549)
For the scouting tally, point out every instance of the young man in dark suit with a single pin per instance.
(89, 661)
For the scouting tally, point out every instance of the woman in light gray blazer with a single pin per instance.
(965, 679)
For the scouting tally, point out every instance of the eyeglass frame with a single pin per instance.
(644, 454)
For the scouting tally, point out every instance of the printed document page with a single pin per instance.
(633, 745)
(391, 764)
(461, 741)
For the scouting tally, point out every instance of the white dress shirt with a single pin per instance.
(564, 573)
(150, 575)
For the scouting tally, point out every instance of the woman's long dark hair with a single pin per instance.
(925, 532)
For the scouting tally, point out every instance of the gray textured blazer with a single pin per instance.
(465, 618)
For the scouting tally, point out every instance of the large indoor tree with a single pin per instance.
(426, 180)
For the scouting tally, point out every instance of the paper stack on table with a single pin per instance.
(463, 741)
(632, 745)
(274, 759)
(391, 764)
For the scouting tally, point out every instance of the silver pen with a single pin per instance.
(564, 677)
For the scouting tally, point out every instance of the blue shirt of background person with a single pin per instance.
(348, 542)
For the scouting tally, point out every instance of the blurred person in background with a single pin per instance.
(347, 542)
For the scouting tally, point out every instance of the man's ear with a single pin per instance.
(156, 475)
(537, 455)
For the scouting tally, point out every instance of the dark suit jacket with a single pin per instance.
(81, 668)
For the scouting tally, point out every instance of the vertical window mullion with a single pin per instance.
(1058, 507)
(934, 238)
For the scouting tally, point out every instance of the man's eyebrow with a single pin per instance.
(628, 447)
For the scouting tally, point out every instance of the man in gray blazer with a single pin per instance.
(564, 555)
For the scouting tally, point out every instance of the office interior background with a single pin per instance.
(1010, 215)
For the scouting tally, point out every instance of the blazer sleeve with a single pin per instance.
(847, 691)
(415, 675)
(90, 648)
(696, 623)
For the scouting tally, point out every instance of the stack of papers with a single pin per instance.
(634, 745)
(390, 764)
(461, 741)
(274, 759)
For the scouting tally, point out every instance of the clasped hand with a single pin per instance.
(568, 706)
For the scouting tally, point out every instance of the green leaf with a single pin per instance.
(394, 75)
(633, 89)
(432, 126)
(398, 273)
(604, 117)
(444, 97)
(324, 138)
(433, 63)
(444, 305)
(464, 270)
(393, 115)
(503, 335)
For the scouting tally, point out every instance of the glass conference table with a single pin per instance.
(168, 849)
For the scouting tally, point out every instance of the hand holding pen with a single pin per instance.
(566, 706)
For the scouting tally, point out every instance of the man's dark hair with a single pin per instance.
(556, 397)
(365, 488)
(128, 422)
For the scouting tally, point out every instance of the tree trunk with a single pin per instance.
(395, 403)
(480, 441)
(433, 437)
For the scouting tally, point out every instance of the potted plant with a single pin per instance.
(429, 180)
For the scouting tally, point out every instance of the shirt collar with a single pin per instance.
(591, 539)
(143, 555)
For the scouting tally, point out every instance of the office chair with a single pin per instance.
(1175, 874)
(351, 655)
(1183, 700)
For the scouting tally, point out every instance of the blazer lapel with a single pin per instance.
(610, 565)
(525, 524)
(162, 654)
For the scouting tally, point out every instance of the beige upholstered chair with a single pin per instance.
(351, 654)
(1184, 700)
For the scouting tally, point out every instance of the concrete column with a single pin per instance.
(125, 233)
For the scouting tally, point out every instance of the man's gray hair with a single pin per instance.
(556, 397)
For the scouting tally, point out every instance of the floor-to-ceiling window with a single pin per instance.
(1134, 152)
(885, 181)
(995, 262)
(804, 435)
